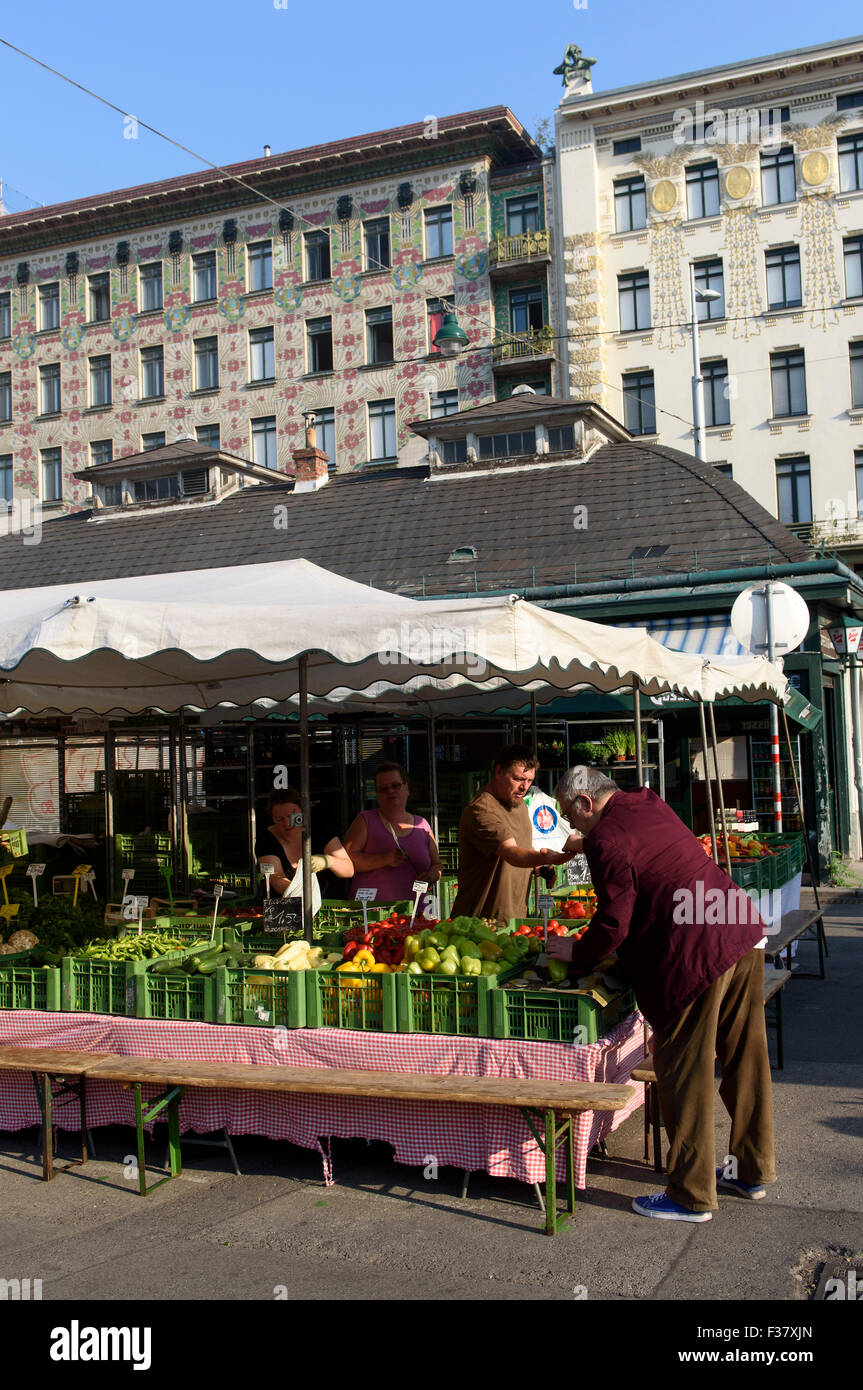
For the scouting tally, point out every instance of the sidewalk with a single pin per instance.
(385, 1232)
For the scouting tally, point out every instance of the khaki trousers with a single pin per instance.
(727, 1021)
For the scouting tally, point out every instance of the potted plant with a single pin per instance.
(615, 744)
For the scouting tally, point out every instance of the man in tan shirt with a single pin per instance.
(495, 842)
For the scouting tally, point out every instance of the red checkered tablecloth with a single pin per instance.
(489, 1138)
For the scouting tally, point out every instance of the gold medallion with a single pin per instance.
(664, 196)
(738, 181)
(815, 168)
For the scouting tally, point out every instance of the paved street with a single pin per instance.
(382, 1232)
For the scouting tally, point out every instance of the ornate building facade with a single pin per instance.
(222, 305)
(751, 173)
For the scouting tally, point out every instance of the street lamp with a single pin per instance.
(698, 297)
(845, 636)
(450, 338)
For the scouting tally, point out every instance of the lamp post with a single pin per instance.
(698, 297)
(845, 636)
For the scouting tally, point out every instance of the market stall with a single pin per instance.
(211, 638)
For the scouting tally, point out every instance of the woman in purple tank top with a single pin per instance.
(390, 848)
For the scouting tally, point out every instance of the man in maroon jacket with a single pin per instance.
(686, 939)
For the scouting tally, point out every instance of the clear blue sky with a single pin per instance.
(226, 78)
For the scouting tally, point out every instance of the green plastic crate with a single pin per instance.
(15, 841)
(344, 999)
(459, 1005)
(187, 929)
(536, 1015)
(749, 873)
(448, 889)
(27, 986)
(189, 998)
(261, 998)
(97, 986)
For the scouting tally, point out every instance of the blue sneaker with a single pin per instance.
(660, 1205)
(754, 1191)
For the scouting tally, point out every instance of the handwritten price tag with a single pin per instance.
(366, 895)
(35, 870)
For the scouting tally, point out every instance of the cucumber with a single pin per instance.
(165, 966)
(211, 964)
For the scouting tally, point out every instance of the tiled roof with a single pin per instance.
(397, 530)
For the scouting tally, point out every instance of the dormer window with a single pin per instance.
(454, 451)
(512, 445)
(154, 489)
(560, 438)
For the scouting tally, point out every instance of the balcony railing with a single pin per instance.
(519, 248)
(844, 531)
(508, 347)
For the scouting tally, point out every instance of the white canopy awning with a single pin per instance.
(202, 638)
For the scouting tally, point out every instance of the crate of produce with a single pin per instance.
(361, 1000)
(261, 998)
(178, 996)
(749, 873)
(15, 841)
(777, 865)
(556, 1015)
(448, 889)
(95, 986)
(24, 985)
(454, 1004)
(187, 929)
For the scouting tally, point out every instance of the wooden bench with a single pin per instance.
(547, 1106)
(795, 926)
(774, 982)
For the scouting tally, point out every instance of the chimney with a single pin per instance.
(311, 470)
(266, 151)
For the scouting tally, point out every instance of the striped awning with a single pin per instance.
(697, 634)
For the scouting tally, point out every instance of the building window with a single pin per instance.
(435, 310)
(157, 489)
(526, 310)
(778, 180)
(454, 451)
(630, 204)
(100, 380)
(788, 379)
(206, 364)
(717, 408)
(514, 444)
(260, 257)
(783, 278)
(152, 373)
(6, 315)
(377, 243)
(438, 232)
(101, 451)
(154, 440)
(209, 435)
(382, 430)
(702, 190)
(5, 396)
(49, 306)
(150, 286)
(631, 145)
(100, 298)
(853, 247)
(849, 100)
(319, 336)
(560, 438)
(52, 475)
(794, 490)
(771, 121)
(725, 469)
(262, 359)
(857, 374)
(5, 477)
(204, 271)
(325, 433)
(318, 256)
(443, 404)
(709, 276)
(522, 214)
(639, 403)
(858, 473)
(49, 389)
(633, 293)
(850, 148)
(264, 442)
(379, 335)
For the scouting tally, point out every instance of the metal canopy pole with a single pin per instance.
(636, 708)
(183, 816)
(719, 791)
(774, 718)
(305, 800)
(433, 793)
(809, 864)
(707, 779)
(533, 734)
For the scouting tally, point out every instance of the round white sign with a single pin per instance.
(789, 613)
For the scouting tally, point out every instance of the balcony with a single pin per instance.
(509, 256)
(514, 349)
(833, 534)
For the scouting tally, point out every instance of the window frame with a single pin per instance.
(532, 296)
(53, 302)
(5, 315)
(701, 176)
(199, 270)
(855, 244)
(630, 383)
(207, 351)
(717, 382)
(94, 462)
(5, 397)
(794, 469)
(268, 431)
(637, 289)
(373, 326)
(56, 492)
(447, 398)
(510, 213)
(103, 372)
(855, 362)
(199, 429)
(96, 292)
(316, 334)
(778, 163)
(320, 242)
(326, 430)
(151, 276)
(783, 369)
(440, 218)
(261, 339)
(382, 414)
(707, 273)
(850, 146)
(146, 447)
(627, 188)
(377, 244)
(7, 478)
(55, 379)
(260, 254)
(785, 258)
(152, 357)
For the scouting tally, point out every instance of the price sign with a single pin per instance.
(90, 880)
(35, 871)
(366, 896)
(218, 890)
(268, 870)
(419, 889)
(577, 870)
(283, 915)
(133, 907)
(546, 905)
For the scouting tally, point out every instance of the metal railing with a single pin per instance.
(506, 347)
(519, 248)
(834, 532)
